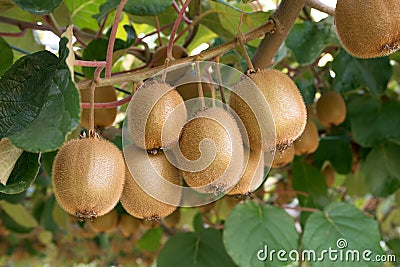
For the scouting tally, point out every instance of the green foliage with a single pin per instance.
(6, 56)
(39, 7)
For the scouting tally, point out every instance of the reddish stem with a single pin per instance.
(103, 23)
(112, 104)
(175, 28)
(111, 41)
(13, 34)
(138, 40)
(86, 63)
(158, 30)
(185, 19)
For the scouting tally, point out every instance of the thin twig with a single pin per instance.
(112, 104)
(318, 5)
(158, 30)
(199, 85)
(22, 25)
(175, 29)
(13, 34)
(86, 63)
(100, 30)
(176, 7)
(219, 78)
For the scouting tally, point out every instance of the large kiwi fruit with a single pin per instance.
(103, 117)
(88, 177)
(163, 123)
(308, 141)
(253, 175)
(135, 200)
(286, 104)
(208, 174)
(105, 223)
(331, 109)
(283, 158)
(368, 28)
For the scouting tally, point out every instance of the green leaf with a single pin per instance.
(308, 39)
(82, 12)
(19, 214)
(373, 122)
(9, 155)
(46, 218)
(352, 73)
(151, 240)
(6, 4)
(47, 160)
(12, 225)
(13, 198)
(250, 228)
(337, 150)
(382, 170)
(308, 179)
(340, 224)
(6, 56)
(40, 101)
(23, 174)
(355, 184)
(38, 7)
(305, 83)
(195, 250)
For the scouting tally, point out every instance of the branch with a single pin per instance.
(316, 4)
(22, 25)
(284, 16)
(141, 75)
(175, 28)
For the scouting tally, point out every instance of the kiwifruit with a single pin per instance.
(253, 174)
(208, 174)
(284, 192)
(331, 109)
(88, 177)
(189, 89)
(173, 219)
(368, 28)
(286, 105)
(128, 225)
(329, 174)
(308, 141)
(152, 112)
(105, 223)
(135, 200)
(282, 158)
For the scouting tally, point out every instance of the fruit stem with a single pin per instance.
(176, 7)
(246, 55)
(112, 104)
(91, 117)
(212, 87)
(219, 78)
(199, 85)
(113, 34)
(158, 31)
(86, 63)
(175, 29)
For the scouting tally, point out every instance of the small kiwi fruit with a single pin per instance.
(128, 225)
(173, 219)
(189, 89)
(286, 105)
(329, 174)
(88, 177)
(253, 175)
(308, 141)
(161, 121)
(368, 28)
(103, 117)
(138, 202)
(282, 158)
(208, 174)
(105, 223)
(331, 109)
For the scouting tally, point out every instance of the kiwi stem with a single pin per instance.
(103, 23)
(246, 55)
(212, 87)
(86, 63)
(113, 34)
(91, 117)
(199, 85)
(219, 78)
(318, 5)
(175, 29)
(158, 31)
(112, 104)
(176, 7)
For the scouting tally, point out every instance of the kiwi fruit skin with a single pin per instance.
(368, 28)
(253, 175)
(283, 158)
(88, 177)
(160, 122)
(189, 89)
(103, 117)
(128, 225)
(136, 201)
(308, 141)
(105, 223)
(286, 104)
(172, 220)
(329, 174)
(331, 109)
(218, 125)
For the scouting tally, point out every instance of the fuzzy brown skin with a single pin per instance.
(105, 223)
(368, 28)
(329, 174)
(253, 175)
(331, 109)
(88, 177)
(128, 225)
(283, 158)
(103, 117)
(155, 123)
(228, 147)
(136, 201)
(287, 109)
(308, 141)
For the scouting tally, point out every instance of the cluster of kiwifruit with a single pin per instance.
(368, 28)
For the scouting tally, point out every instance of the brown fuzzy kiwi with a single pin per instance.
(88, 177)
(160, 119)
(189, 89)
(103, 117)
(105, 223)
(282, 158)
(135, 200)
(368, 28)
(128, 225)
(173, 219)
(329, 174)
(253, 175)
(308, 141)
(331, 109)
(223, 171)
(286, 105)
